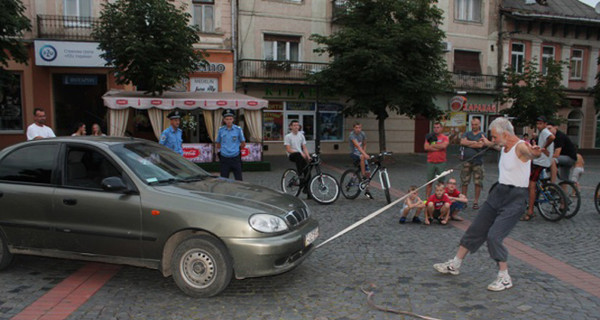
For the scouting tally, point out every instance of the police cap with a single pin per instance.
(228, 113)
(174, 115)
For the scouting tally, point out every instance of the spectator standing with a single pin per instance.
(80, 130)
(500, 212)
(435, 146)
(565, 154)
(38, 129)
(358, 154)
(458, 201)
(231, 141)
(412, 204)
(438, 205)
(473, 166)
(171, 137)
(545, 142)
(97, 131)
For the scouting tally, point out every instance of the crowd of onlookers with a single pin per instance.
(39, 130)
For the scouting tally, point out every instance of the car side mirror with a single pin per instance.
(114, 184)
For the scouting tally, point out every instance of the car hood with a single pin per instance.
(235, 193)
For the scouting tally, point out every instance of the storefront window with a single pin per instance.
(11, 108)
(331, 122)
(273, 122)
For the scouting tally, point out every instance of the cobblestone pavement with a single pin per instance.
(396, 258)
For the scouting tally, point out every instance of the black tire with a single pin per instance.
(324, 188)
(201, 266)
(290, 182)
(350, 183)
(597, 198)
(552, 202)
(5, 256)
(573, 198)
(386, 186)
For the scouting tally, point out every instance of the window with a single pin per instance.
(11, 108)
(574, 126)
(273, 122)
(331, 121)
(466, 62)
(278, 47)
(78, 8)
(204, 15)
(576, 64)
(467, 10)
(517, 57)
(86, 168)
(32, 164)
(547, 55)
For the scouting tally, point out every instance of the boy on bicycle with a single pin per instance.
(295, 147)
(358, 145)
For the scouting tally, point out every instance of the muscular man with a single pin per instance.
(503, 207)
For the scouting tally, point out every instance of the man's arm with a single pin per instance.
(526, 152)
(306, 153)
(489, 144)
(359, 148)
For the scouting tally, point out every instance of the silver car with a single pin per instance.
(134, 202)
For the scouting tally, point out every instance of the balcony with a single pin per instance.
(339, 8)
(65, 27)
(476, 82)
(293, 71)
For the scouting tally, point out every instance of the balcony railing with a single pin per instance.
(475, 82)
(65, 27)
(277, 70)
(339, 8)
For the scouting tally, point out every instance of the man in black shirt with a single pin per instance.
(565, 153)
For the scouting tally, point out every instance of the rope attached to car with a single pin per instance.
(372, 304)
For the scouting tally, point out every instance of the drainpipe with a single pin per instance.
(234, 41)
(500, 48)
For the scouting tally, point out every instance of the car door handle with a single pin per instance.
(70, 202)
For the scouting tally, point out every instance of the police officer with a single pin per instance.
(230, 139)
(172, 136)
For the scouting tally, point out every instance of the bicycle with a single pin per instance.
(323, 187)
(597, 198)
(353, 183)
(573, 197)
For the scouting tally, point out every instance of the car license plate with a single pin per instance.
(311, 237)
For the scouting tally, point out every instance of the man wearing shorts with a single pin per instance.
(435, 145)
(545, 142)
(473, 166)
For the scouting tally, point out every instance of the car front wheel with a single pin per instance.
(201, 266)
(5, 256)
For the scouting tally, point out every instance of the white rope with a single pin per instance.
(376, 213)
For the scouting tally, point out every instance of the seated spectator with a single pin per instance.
(79, 130)
(412, 204)
(459, 201)
(438, 206)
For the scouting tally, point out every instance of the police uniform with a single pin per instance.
(230, 140)
(172, 138)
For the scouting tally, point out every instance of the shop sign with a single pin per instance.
(290, 93)
(204, 84)
(68, 54)
(457, 103)
(198, 152)
(250, 153)
(80, 79)
(482, 108)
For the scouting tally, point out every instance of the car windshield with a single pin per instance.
(155, 164)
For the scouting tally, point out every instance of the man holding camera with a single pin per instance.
(435, 145)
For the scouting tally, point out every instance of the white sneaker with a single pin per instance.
(446, 268)
(501, 283)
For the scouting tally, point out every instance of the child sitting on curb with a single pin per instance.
(412, 203)
(438, 206)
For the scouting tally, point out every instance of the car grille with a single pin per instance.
(295, 217)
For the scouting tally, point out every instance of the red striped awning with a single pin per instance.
(117, 99)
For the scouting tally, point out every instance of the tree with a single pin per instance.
(148, 43)
(13, 24)
(533, 94)
(387, 56)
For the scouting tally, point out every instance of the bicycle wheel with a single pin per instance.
(385, 184)
(573, 198)
(290, 182)
(324, 188)
(350, 183)
(549, 202)
(597, 198)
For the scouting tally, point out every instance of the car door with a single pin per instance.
(27, 185)
(88, 219)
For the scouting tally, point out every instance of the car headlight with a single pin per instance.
(267, 223)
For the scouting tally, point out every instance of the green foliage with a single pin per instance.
(148, 42)
(13, 24)
(534, 94)
(388, 56)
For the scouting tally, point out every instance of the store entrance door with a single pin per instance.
(78, 98)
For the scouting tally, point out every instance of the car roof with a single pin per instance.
(93, 140)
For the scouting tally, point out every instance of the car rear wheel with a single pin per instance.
(201, 266)
(5, 256)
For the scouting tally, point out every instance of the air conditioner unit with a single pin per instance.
(447, 46)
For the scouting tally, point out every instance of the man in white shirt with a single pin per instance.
(295, 146)
(38, 129)
(545, 142)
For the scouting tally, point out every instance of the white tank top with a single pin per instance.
(513, 171)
